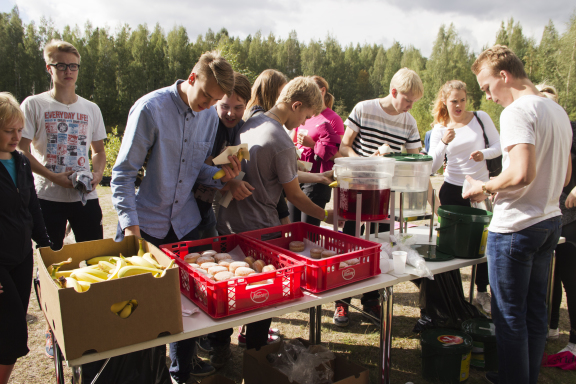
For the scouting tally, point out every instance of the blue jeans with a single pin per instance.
(518, 266)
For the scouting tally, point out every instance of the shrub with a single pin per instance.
(112, 147)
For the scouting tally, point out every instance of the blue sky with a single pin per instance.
(413, 22)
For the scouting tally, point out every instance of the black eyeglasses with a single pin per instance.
(62, 66)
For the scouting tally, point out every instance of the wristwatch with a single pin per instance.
(486, 191)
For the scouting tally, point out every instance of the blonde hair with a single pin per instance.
(407, 80)
(9, 110)
(440, 111)
(548, 90)
(242, 86)
(328, 97)
(500, 58)
(305, 90)
(265, 89)
(59, 46)
(215, 65)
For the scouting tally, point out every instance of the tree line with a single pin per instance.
(119, 67)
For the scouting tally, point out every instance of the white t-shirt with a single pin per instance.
(376, 127)
(61, 136)
(468, 139)
(542, 122)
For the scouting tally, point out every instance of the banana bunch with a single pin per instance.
(102, 268)
(124, 308)
(220, 174)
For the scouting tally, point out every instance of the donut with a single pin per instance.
(268, 268)
(225, 263)
(326, 254)
(209, 253)
(243, 271)
(207, 266)
(222, 256)
(316, 253)
(204, 259)
(352, 261)
(194, 265)
(218, 268)
(258, 265)
(343, 265)
(191, 257)
(223, 276)
(237, 264)
(296, 246)
(250, 260)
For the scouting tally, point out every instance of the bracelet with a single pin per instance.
(443, 142)
(325, 215)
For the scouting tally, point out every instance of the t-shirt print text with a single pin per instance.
(67, 144)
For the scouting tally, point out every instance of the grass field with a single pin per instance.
(358, 342)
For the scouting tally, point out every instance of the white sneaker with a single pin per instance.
(553, 334)
(483, 299)
(571, 347)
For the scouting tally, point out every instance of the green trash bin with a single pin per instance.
(445, 355)
(484, 351)
(463, 231)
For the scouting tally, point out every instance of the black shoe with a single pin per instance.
(492, 377)
(204, 344)
(220, 356)
(341, 315)
(373, 309)
(200, 368)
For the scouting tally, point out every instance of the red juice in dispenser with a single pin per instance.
(374, 204)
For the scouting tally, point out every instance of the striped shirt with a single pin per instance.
(375, 128)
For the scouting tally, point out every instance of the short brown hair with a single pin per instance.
(328, 97)
(305, 90)
(9, 110)
(59, 46)
(500, 58)
(265, 89)
(214, 64)
(242, 87)
(548, 91)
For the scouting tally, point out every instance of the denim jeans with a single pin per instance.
(518, 266)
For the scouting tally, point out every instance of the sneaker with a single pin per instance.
(571, 347)
(274, 332)
(219, 356)
(271, 339)
(201, 368)
(492, 377)
(341, 315)
(49, 345)
(483, 299)
(553, 334)
(204, 344)
(373, 309)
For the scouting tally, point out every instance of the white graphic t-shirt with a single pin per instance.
(61, 136)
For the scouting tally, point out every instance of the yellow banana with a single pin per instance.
(56, 266)
(83, 276)
(240, 155)
(333, 184)
(91, 271)
(63, 274)
(134, 304)
(73, 283)
(148, 256)
(96, 260)
(167, 268)
(140, 262)
(141, 247)
(132, 270)
(120, 263)
(117, 307)
(218, 175)
(127, 311)
(85, 285)
(106, 266)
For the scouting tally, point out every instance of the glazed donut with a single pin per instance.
(316, 253)
(296, 246)
(268, 268)
(343, 265)
(237, 264)
(243, 271)
(223, 276)
(222, 256)
(250, 260)
(218, 268)
(326, 254)
(209, 253)
(204, 259)
(194, 265)
(258, 265)
(352, 261)
(225, 263)
(191, 257)
(207, 266)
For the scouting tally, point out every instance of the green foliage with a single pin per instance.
(112, 147)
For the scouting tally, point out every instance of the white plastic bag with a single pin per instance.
(403, 242)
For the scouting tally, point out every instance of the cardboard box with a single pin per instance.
(83, 322)
(257, 369)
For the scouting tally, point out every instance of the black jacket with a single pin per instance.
(20, 214)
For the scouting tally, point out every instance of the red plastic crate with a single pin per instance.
(225, 298)
(324, 274)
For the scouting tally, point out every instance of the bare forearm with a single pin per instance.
(304, 204)
(98, 163)
(347, 151)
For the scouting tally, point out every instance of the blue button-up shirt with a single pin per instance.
(179, 141)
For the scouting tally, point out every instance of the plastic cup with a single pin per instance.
(399, 259)
(302, 132)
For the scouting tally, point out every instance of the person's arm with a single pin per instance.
(437, 149)
(520, 173)
(296, 196)
(346, 146)
(60, 179)
(326, 147)
(98, 161)
(568, 170)
(39, 232)
(324, 177)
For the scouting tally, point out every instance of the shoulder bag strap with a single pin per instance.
(486, 143)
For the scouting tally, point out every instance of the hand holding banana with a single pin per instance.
(231, 170)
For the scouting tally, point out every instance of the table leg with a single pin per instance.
(472, 283)
(312, 329)
(386, 308)
(550, 285)
(318, 325)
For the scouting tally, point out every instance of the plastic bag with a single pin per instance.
(305, 365)
(402, 242)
